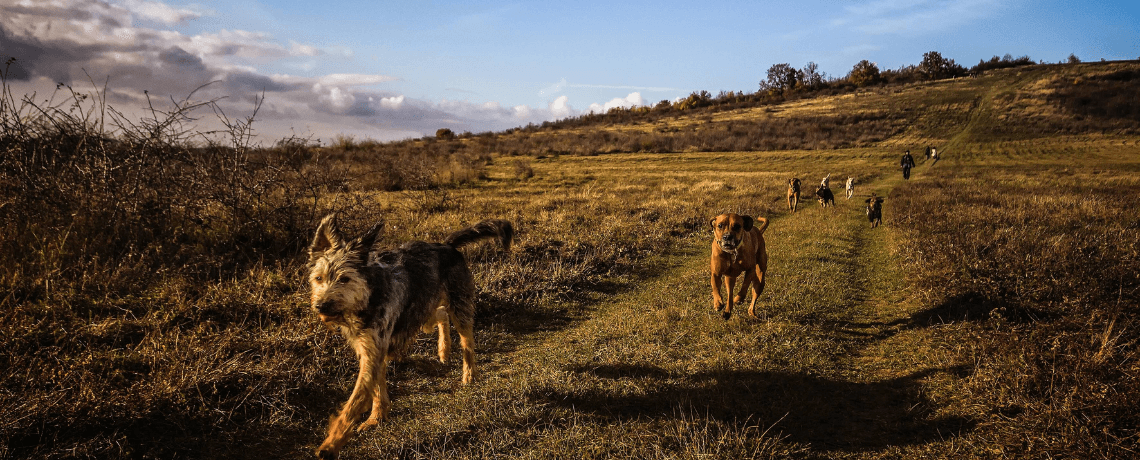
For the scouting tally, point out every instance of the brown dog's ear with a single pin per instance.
(328, 237)
(712, 223)
(747, 223)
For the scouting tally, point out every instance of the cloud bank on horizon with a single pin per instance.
(130, 45)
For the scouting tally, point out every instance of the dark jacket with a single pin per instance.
(907, 161)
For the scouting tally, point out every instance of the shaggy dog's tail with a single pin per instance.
(494, 228)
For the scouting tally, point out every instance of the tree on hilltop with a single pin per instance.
(696, 99)
(781, 78)
(810, 76)
(936, 67)
(864, 73)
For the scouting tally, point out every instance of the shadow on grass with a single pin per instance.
(523, 318)
(967, 307)
(829, 415)
(156, 434)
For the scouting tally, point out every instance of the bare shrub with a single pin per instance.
(154, 192)
(523, 169)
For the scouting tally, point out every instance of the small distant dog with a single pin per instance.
(738, 248)
(793, 193)
(875, 210)
(850, 187)
(380, 307)
(826, 198)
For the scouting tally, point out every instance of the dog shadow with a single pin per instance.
(829, 415)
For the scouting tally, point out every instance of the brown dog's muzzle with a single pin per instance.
(728, 243)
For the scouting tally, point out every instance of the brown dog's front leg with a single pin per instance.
(718, 302)
(757, 278)
(729, 282)
(370, 375)
(742, 294)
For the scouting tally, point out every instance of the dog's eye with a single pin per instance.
(319, 278)
(342, 280)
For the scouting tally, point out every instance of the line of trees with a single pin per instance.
(783, 77)
(782, 82)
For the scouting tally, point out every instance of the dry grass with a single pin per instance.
(1034, 266)
(992, 315)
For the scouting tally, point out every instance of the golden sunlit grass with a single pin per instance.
(992, 315)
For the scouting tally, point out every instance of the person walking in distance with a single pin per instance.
(907, 163)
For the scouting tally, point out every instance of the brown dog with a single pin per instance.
(793, 193)
(738, 247)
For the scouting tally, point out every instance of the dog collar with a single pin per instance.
(735, 252)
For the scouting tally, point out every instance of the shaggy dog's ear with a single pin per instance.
(747, 223)
(368, 239)
(328, 238)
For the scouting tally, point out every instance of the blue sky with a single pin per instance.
(392, 70)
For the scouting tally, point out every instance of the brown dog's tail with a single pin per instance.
(760, 223)
(493, 228)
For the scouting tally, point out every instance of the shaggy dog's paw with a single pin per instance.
(367, 425)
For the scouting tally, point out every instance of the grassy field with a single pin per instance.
(993, 315)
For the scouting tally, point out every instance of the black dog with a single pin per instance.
(826, 198)
(875, 210)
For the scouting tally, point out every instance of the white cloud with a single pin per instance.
(392, 103)
(303, 50)
(353, 79)
(560, 108)
(159, 12)
(634, 99)
(338, 99)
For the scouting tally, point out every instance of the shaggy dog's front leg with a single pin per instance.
(370, 384)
